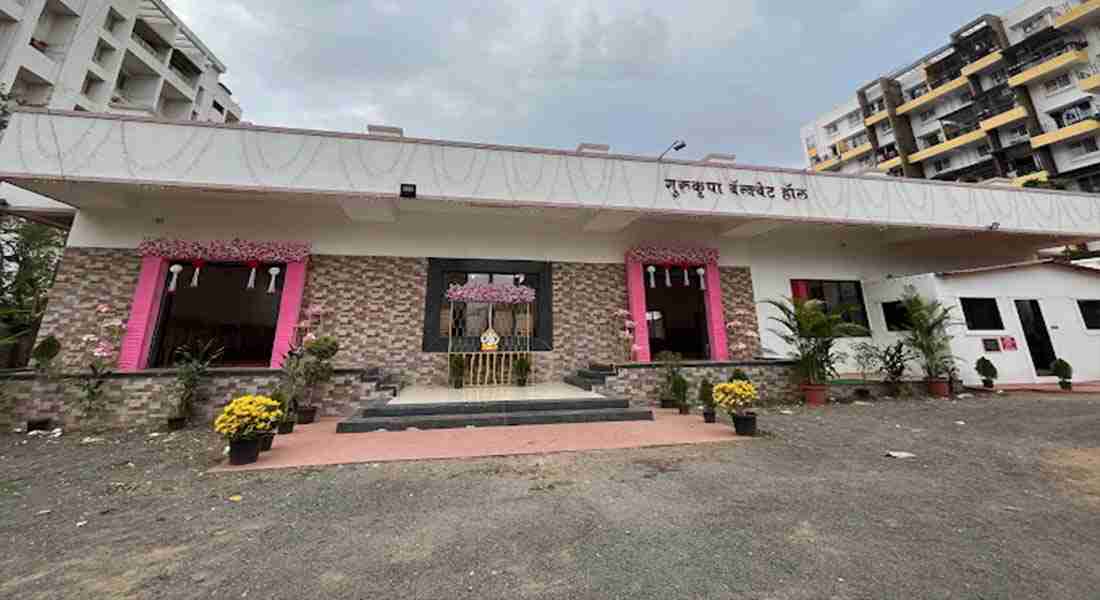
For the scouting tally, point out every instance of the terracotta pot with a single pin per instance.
(816, 395)
(939, 388)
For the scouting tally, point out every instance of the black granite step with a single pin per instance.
(582, 382)
(506, 406)
(606, 369)
(594, 375)
(498, 419)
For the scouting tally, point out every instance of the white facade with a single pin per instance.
(1059, 291)
(118, 56)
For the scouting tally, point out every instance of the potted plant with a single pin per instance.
(1064, 372)
(680, 394)
(893, 362)
(739, 375)
(242, 422)
(867, 357)
(736, 398)
(987, 370)
(811, 331)
(458, 371)
(315, 362)
(521, 368)
(928, 338)
(671, 362)
(706, 400)
(289, 418)
(192, 366)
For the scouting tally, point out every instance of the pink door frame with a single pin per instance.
(149, 294)
(716, 321)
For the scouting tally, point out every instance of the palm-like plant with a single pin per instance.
(927, 335)
(811, 330)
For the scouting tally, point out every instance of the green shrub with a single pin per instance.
(680, 389)
(706, 393)
(986, 369)
(1062, 370)
(45, 351)
(739, 375)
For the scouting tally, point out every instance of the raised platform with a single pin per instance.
(492, 407)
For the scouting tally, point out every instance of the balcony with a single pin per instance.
(827, 165)
(986, 62)
(10, 10)
(1036, 176)
(937, 93)
(965, 139)
(1084, 14)
(876, 118)
(1087, 126)
(890, 165)
(856, 152)
(1007, 117)
(1053, 64)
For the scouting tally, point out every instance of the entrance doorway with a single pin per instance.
(676, 312)
(1037, 336)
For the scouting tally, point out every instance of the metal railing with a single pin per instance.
(1043, 55)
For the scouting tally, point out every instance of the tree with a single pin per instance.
(29, 254)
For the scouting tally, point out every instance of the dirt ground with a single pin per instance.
(1001, 501)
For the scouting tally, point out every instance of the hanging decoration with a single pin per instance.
(236, 250)
(702, 278)
(652, 281)
(491, 293)
(252, 265)
(668, 276)
(175, 270)
(680, 256)
(274, 272)
(687, 282)
(198, 264)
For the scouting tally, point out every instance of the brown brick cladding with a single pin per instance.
(375, 308)
(739, 304)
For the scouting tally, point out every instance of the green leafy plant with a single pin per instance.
(316, 366)
(868, 358)
(739, 375)
(927, 335)
(457, 370)
(672, 362)
(987, 370)
(680, 390)
(45, 352)
(193, 362)
(706, 394)
(811, 332)
(98, 352)
(521, 368)
(1063, 371)
(893, 362)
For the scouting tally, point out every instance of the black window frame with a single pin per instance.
(1084, 315)
(865, 322)
(896, 317)
(971, 319)
(434, 300)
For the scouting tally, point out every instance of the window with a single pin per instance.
(982, 314)
(831, 128)
(1089, 184)
(942, 164)
(845, 296)
(1090, 312)
(1057, 84)
(1083, 147)
(927, 116)
(471, 320)
(1000, 76)
(241, 321)
(854, 120)
(984, 150)
(1075, 113)
(886, 126)
(918, 91)
(897, 317)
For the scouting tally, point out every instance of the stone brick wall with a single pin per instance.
(586, 297)
(739, 303)
(641, 384)
(145, 399)
(87, 278)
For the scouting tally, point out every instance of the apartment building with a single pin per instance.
(1010, 97)
(134, 57)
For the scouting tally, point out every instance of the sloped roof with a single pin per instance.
(1048, 262)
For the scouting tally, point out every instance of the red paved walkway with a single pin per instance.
(319, 444)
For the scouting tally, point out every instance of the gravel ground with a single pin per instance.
(1006, 505)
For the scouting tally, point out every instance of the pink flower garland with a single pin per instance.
(491, 294)
(673, 255)
(235, 250)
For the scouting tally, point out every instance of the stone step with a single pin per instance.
(600, 376)
(506, 406)
(582, 382)
(453, 421)
(604, 368)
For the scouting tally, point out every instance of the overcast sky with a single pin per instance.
(735, 76)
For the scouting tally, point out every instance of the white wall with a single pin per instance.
(1057, 290)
